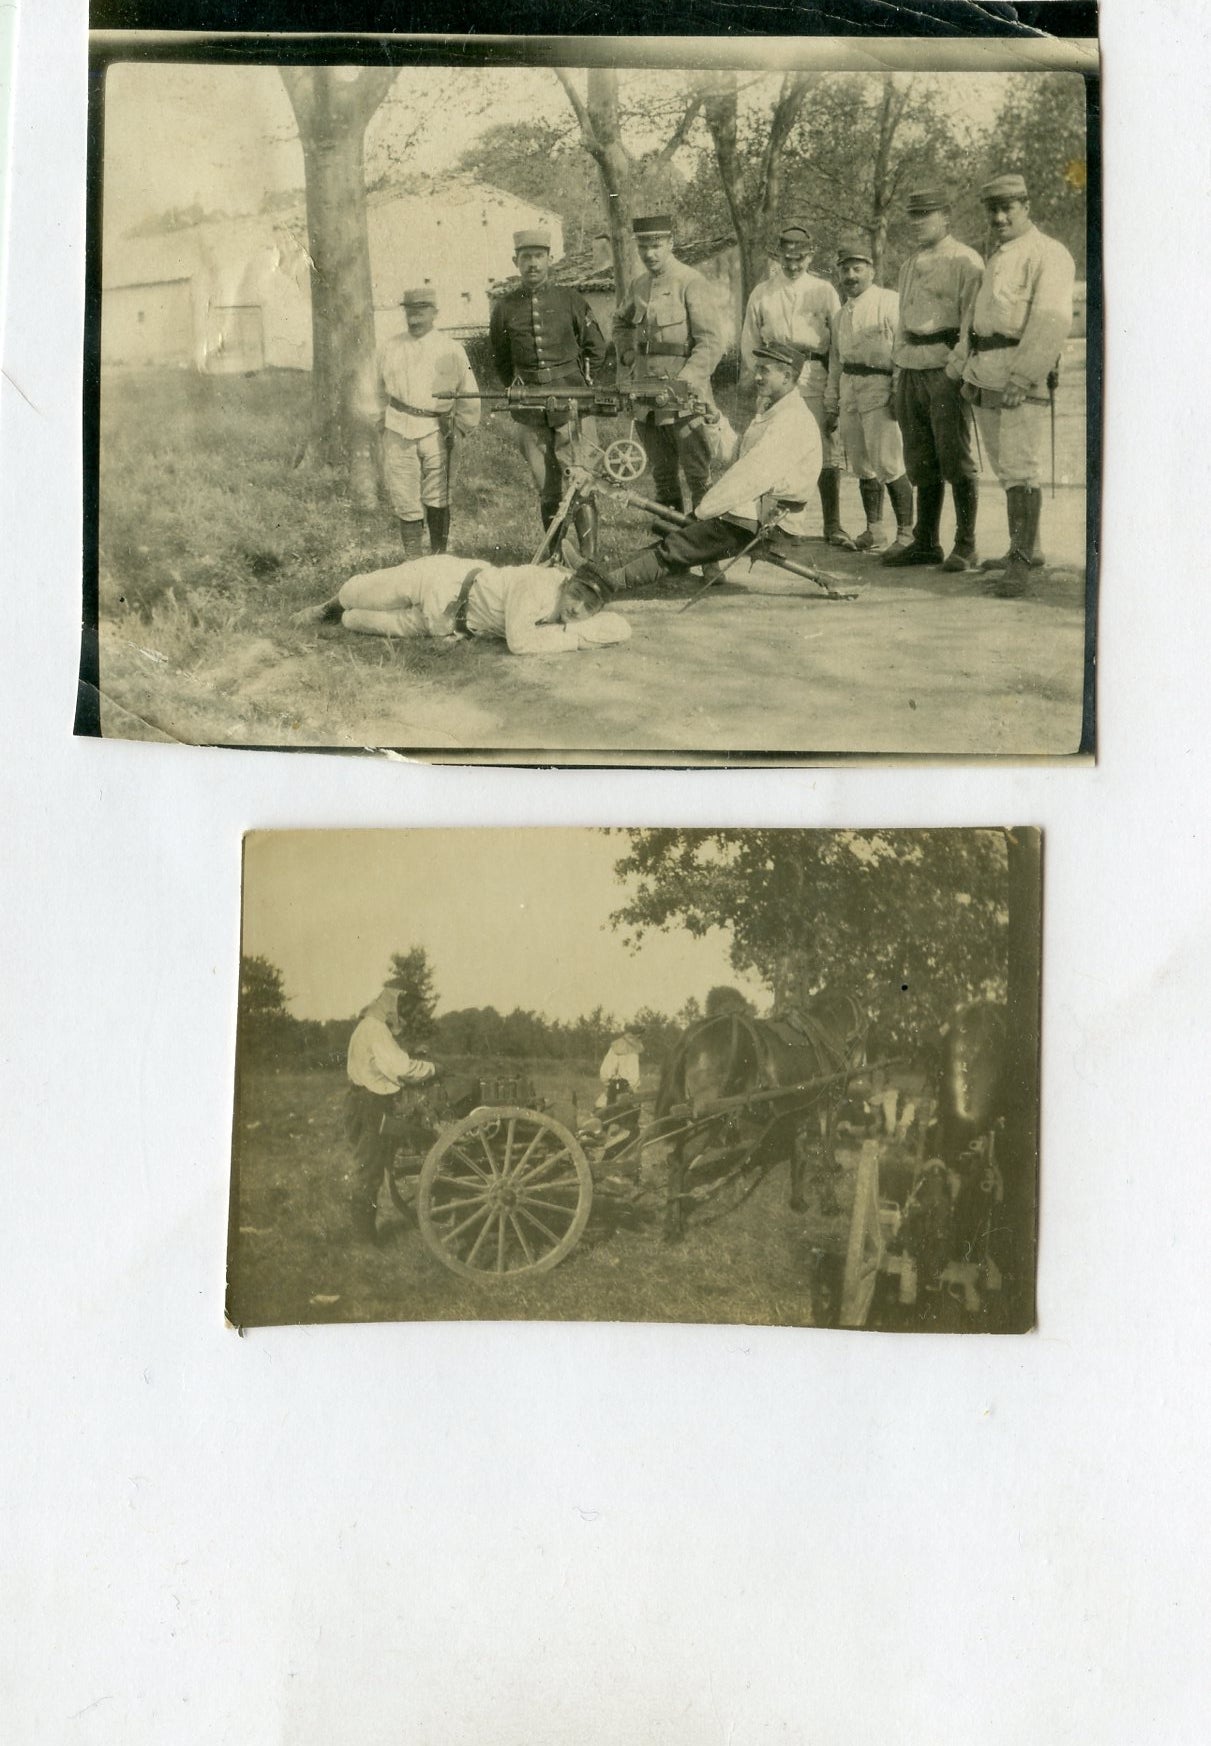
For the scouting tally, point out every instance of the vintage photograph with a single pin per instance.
(755, 1076)
(758, 382)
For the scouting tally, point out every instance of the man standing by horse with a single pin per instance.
(377, 1067)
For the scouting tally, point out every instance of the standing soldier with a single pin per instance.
(860, 392)
(670, 329)
(418, 439)
(1019, 321)
(937, 283)
(377, 1067)
(794, 306)
(545, 336)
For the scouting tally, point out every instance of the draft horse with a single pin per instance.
(732, 1053)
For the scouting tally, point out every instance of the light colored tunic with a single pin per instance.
(936, 287)
(864, 333)
(416, 371)
(1026, 291)
(621, 1062)
(418, 599)
(377, 1063)
(779, 459)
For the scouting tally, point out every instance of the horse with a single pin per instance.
(731, 1054)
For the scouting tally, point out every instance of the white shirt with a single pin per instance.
(504, 602)
(801, 310)
(377, 1063)
(1026, 290)
(415, 371)
(863, 333)
(780, 457)
(621, 1062)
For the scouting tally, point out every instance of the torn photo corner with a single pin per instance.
(431, 446)
(770, 1077)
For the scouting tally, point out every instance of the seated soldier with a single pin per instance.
(771, 480)
(535, 610)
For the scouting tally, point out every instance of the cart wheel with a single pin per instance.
(401, 1183)
(625, 461)
(507, 1191)
(865, 1251)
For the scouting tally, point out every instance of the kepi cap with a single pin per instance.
(659, 225)
(782, 352)
(923, 200)
(1007, 187)
(419, 297)
(531, 239)
(794, 231)
(855, 248)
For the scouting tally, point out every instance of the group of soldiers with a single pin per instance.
(898, 384)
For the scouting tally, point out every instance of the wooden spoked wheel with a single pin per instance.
(867, 1247)
(625, 461)
(504, 1192)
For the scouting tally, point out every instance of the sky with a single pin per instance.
(509, 918)
(224, 136)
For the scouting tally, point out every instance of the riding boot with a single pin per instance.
(1029, 548)
(585, 522)
(413, 535)
(439, 528)
(649, 566)
(1025, 503)
(900, 492)
(966, 494)
(829, 487)
(363, 1218)
(924, 548)
(871, 493)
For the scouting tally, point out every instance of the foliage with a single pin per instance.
(411, 973)
(539, 160)
(909, 923)
(722, 999)
(1041, 133)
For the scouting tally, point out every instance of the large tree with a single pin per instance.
(749, 151)
(411, 973)
(332, 107)
(908, 922)
(1041, 131)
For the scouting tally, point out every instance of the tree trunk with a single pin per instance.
(1020, 1143)
(752, 213)
(332, 111)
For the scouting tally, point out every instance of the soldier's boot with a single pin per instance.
(924, 547)
(1015, 578)
(966, 493)
(649, 566)
(829, 487)
(413, 535)
(585, 522)
(871, 493)
(900, 492)
(1023, 545)
(439, 528)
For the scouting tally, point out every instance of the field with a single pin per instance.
(293, 1259)
(211, 536)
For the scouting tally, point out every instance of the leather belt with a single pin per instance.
(664, 349)
(414, 411)
(464, 599)
(866, 370)
(994, 342)
(941, 336)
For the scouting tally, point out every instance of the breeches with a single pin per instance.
(834, 454)
(415, 474)
(703, 541)
(378, 604)
(935, 424)
(872, 442)
(1015, 440)
(547, 452)
(372, 1148)
(672, 446)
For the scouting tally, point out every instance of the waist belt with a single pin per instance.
(866, 369)
(942, 336)
(664, 349)
(463, 601)
(994, 342)
(414, 411)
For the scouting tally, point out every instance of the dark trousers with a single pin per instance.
(670, 446)
(935, 423)
(365, 1113)
(702, 542)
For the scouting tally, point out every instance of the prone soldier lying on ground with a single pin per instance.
(535, 610)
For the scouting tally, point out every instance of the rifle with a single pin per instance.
(668, 402)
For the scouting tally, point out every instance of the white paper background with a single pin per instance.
(533, 1534)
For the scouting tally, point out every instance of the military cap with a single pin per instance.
(923, 200)
(660, 225)
(793, 231)
(531, 239)
(782, 352)
(1008, 187)
(855, 248)
(421, 295)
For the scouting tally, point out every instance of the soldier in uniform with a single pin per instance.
(937, 282)
(546, 337)
(377, 1066)
(859, 394)
(1021, 316)
(793, 305)
(669, 329)
(413, 368)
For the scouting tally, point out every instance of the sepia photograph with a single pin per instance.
(759, 1076)
(762, 377)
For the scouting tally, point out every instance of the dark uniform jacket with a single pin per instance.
(545, 338)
